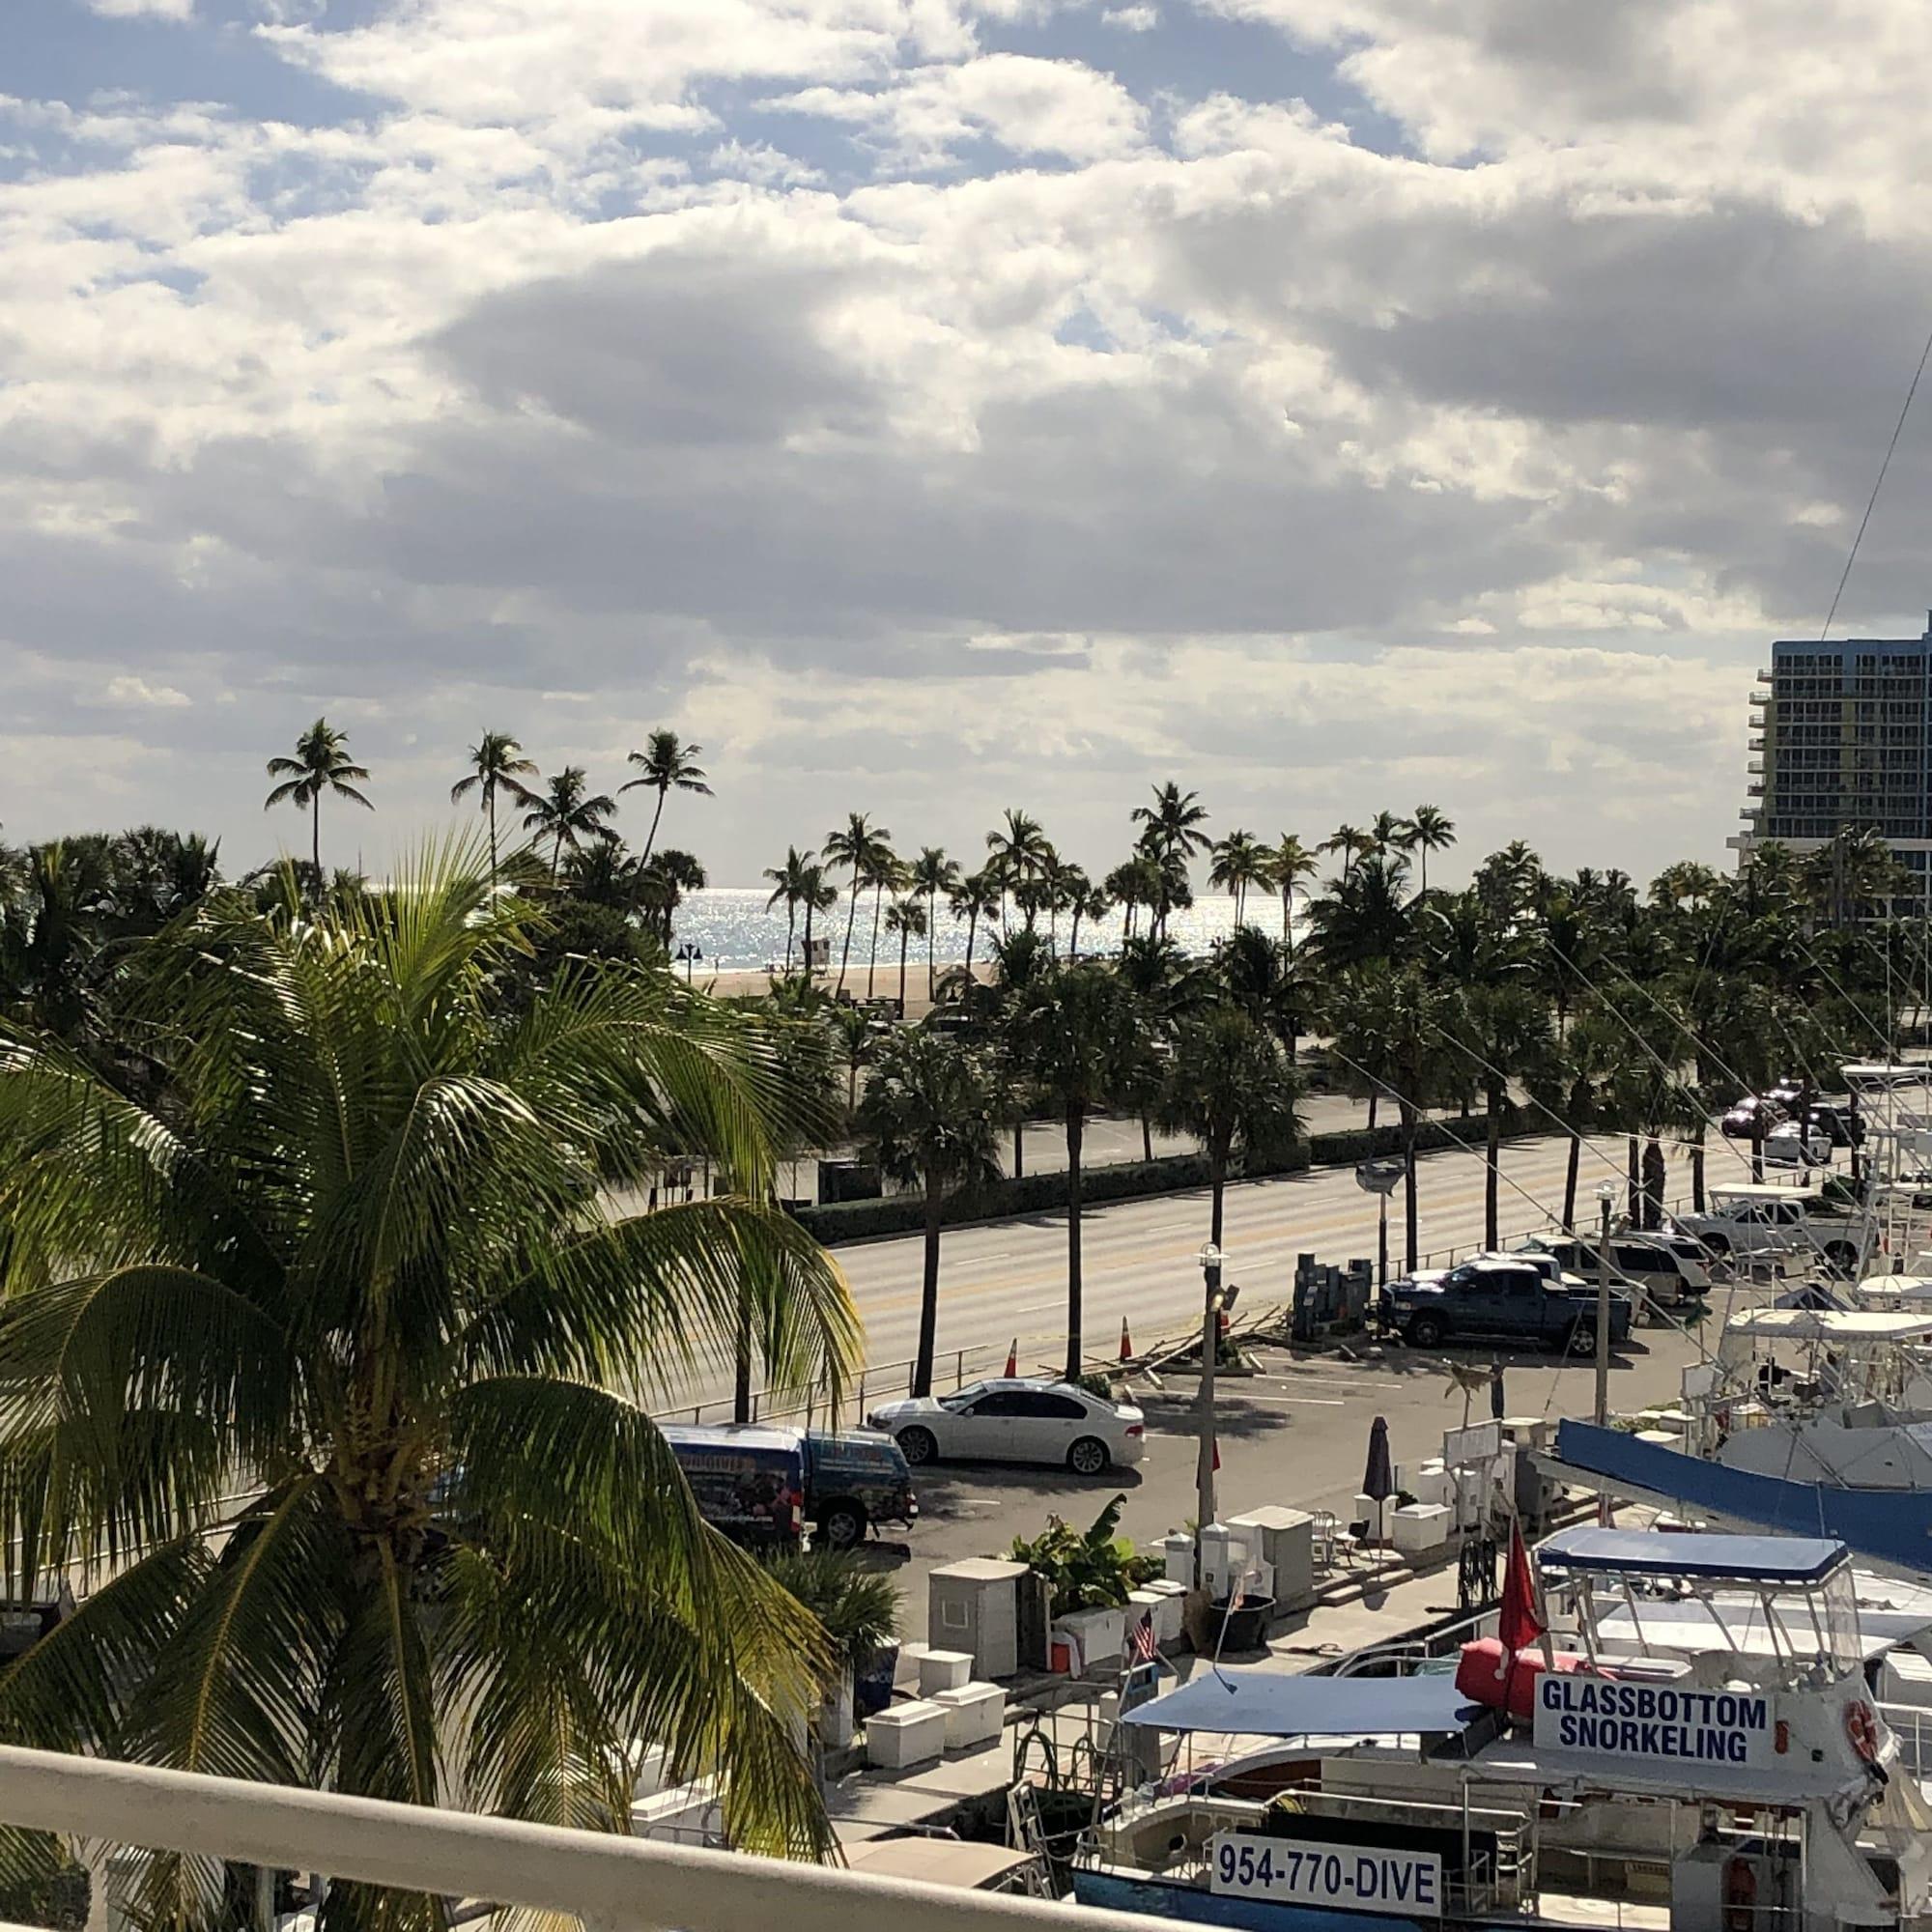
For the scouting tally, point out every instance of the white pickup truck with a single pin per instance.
(1767, 1222)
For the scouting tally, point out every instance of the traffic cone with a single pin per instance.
(1013, 1358)
(1222, 1320)
(1126, 1341)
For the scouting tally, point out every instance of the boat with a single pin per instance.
(1689, 1743)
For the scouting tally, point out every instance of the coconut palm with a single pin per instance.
(975, 897)
(1289, 863)
(567, 812)
(1388, 833)
(886, 873)
(1229, 1085)
(1240, 861)
(1365, 916)
(320, 764)
(907, 919)
(1171, 834)
(1074, 1030)
(930, 1119)
(1429, 831)
(1015, 851)
(857, 848)
(664, 766)
(496, 763)
(788, 890)
(1504, 1028)
(1351, 842)
(662, 880)
(816, 893)
(1091, 903)
(931, 874)
(309, 1380)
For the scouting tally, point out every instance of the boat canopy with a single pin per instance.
(1265, 1704)
(1794, 1560)
(1829, 1324)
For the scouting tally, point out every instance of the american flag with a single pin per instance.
(1140, 1639)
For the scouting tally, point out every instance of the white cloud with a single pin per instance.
(131, 10)
(1137, 19)
(137, 691)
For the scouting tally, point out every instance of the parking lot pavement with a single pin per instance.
(1296, 1433)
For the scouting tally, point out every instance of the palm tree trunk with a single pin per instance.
(1570, 1183)
(1632, 1184)
(1411, 1243)
(1217, 1190)
(791, 921)
(1073, 937)
(807, 942)
(1019, 1149)
(1288, 917)
(904, 937)
(929, 1298)
(1372, 1098)
(972, 929)
(1494, 1150)
(878, 902)
(1076, 1122)
(490, 800)
(315, 841)
(932, 945)
(1697, 1167)
(851, 1086)
(651, 838)
(1147, 1137)
(851, 909)
(741, 1366)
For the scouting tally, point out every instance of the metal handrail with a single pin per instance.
(785, 1405)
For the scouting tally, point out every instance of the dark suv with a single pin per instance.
(1505, 1300)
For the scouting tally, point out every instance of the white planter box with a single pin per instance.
(1376, 1515)
(944, 1670)
(686, 1814)
(975, 1714)
(1102, 1635)
(906, 1734)
(1421, 1528)
(1163, 1606)
(837, 1725)
(1177, 1557)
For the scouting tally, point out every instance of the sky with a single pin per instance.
(937, 406)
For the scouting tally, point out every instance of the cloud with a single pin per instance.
(1136, 19)
(138, 691)
(135, 9)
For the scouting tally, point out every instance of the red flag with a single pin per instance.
(1217, 1452)
(1517, 1625)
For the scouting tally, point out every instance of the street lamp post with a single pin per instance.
(1211, 1348)
(1605, 1194)
(689, 953)
(1379, 1178)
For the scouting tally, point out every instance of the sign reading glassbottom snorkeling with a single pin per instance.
(1654, 1720)
(1345, 1878)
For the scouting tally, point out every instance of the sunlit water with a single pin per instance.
(733, 929)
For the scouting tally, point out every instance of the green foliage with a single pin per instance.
(1089, 1569)
(857, 1606)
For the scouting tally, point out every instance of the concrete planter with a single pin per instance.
(1421, 1529)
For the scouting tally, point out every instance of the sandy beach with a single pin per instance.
(737, 985)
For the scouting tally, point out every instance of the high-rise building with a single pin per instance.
(1841, 735)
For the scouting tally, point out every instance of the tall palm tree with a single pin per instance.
(1240, 861)
(1388, 833)
(662, 880)
(1429, 831)
(931, 874)
(324, 1346)
(1365, 916)
(930, 1118)
(1351, 842)
(884, 874)
(1289, 863)
(664, 766)
(907, 919)
(1506, 1032)
(1074, 1030)
(567, 812)
(1091, 903)
(1229, 1085)
(320, 764)
(1172, 835)
(1016, 850)
(788, 890)
(496, 763)
(857, 848)
(975, 897)
(816, 893)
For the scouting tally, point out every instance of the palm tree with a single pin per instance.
(1075, 1031)
(1092, 905)
(1366, 915)
(1015, 852)
(665, 765)
(662, 880)
(1240, 861)
(325, 1344)
(816, 893)
(1290, 864)
(1171, 834)
(931, 873)
(1267, 982)
(1229, 1085)
(859, 848)
(884, 874)
(1389, 833)
(976, 896)
(320, 764)
(1505, 1030)
(788, 890)
(1429, 831)
(1351, 842)
(853, 1041)
(907, 919)
(496, 763)
(568, 814)
(930, 1118)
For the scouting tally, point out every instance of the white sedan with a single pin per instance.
(1017, 1420)
(1785, 1147)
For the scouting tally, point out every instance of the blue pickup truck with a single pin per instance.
(1508, 1298)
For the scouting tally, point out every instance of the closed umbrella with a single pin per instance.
(1499, 1408)
(1379, 1481)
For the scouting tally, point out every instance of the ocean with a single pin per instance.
(733, 931)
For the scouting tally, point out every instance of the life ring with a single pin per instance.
(1862, 1728)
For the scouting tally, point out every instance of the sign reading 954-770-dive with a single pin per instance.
(1345, 1878)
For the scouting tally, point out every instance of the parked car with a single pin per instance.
(1505, 1298)
(1740, 1122)
(1667, 1268)
(855, 1479)
(1018, 1419)
(748, 1481)
(1767, 1222)
(1792, 1146)
(1846, 1127)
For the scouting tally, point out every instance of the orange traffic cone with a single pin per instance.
(1013, 1357)
(1126, 1341)
(1222, 1324)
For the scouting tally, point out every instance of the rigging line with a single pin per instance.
(1878, 1032)
(1897, 430)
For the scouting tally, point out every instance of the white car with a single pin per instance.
(1781, 1147)
(1021, 1419)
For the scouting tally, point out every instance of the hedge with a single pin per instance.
(1172, 1174)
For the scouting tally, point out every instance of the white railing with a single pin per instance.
(881, 1381)
(611, 1884)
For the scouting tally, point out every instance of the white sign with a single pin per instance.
(1662, 1721)
(1345, 1878)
